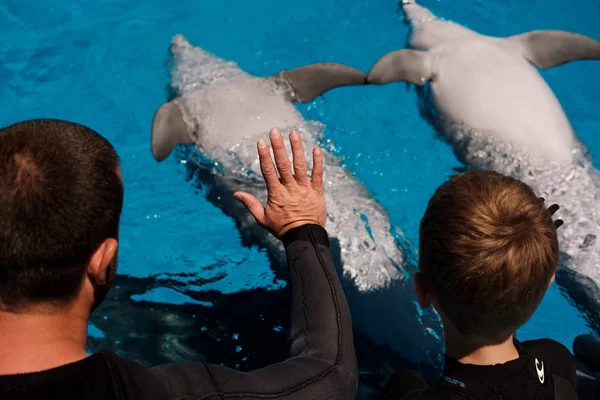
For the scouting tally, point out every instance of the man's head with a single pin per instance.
(60, 203)
(488, 253)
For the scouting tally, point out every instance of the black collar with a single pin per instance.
(476, 380)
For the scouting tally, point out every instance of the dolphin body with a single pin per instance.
(485, 96)
(223, 111)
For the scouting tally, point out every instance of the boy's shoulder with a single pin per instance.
(549, 349)
(556, 356)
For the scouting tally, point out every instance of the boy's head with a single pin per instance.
(489, 252)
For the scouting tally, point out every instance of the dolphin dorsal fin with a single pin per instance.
(307, 82)
(547, 49)
(168, 130)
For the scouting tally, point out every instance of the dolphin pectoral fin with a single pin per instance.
(547, 49)
(412, 66)
(168, 130)
(307, 82)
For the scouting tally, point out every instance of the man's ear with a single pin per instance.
(423, 290)
(101, 259)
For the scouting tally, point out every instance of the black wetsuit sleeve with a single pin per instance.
(322, 363)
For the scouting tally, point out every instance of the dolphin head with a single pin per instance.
(194, 67)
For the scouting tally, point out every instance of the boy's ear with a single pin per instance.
(552, 280)
(423, 290)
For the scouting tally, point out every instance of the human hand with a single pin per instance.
(293, 200)
(551, 211)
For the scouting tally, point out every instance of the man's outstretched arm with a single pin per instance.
(322, 363)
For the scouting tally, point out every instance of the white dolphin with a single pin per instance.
(224, 110)
(486, 97)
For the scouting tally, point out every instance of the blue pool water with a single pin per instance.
(103, 63)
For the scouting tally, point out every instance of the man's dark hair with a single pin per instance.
(489, 248)
(61, 197)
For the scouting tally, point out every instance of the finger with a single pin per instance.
(553, 208)
(558, 223)
(317, 173)
(266, 166)
(253, 205)
(299, 158)
(281, 158)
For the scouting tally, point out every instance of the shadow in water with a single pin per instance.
(245, 330)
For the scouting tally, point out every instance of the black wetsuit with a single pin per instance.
(545, 369)
(322, 363)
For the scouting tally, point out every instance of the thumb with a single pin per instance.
(252, 204)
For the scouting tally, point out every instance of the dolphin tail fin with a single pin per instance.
(307, 82)
(411, 66)
(168, 130)
(547, 49)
